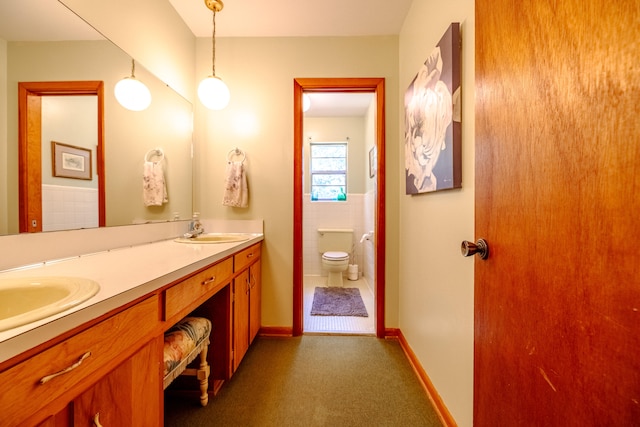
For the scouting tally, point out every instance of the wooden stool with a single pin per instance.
(182, 344)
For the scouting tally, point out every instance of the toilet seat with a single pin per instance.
(335, 256)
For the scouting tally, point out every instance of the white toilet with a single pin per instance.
(335, 245)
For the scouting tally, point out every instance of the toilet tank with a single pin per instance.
(335, 239)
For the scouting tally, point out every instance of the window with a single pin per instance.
(329, 171)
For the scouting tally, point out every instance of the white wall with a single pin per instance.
(436, 282)
(259, 120)
(3, 139)
(71, 120)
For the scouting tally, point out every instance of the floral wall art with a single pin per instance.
(432, 120)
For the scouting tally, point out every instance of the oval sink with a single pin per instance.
(25, 300)
(214, 238)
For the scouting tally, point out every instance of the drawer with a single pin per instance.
(22, 392)
(190, 293)
(246, 257)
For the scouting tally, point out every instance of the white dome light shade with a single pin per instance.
(306, 102)
(213, 93)
(132, 94)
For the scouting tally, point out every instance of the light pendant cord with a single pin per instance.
(213, 45)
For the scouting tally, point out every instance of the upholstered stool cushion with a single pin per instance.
(182, 339)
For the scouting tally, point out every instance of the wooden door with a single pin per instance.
(557, 303)
(30, 169)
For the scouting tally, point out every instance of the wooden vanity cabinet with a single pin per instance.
(43, 388)
(246, 301)
(234, 310)
(114, 368)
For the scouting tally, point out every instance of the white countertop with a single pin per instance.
(124, 274)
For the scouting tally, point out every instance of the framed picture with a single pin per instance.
(433, 155)
(373, 162)
(70, 161)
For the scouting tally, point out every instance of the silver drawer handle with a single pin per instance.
(250, 255)
(64, 371)
(96, 420)
(209, 280)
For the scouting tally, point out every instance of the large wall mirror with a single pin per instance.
(46, 42)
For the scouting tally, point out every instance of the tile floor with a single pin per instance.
(338, 324)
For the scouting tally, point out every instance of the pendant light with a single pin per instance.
(212, 91)
(131, 93)
(306, 102)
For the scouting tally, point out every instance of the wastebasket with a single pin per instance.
(352, 272)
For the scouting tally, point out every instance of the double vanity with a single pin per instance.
(100, 362)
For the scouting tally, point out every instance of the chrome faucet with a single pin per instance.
(195, 227)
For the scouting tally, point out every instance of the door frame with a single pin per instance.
(29, 146)
(355, 85)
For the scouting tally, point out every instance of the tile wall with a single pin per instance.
(356, 213)
(69, 208)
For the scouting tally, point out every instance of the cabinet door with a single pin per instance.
(130, 395)
(255, 300)
(240, 317)
(61, 419)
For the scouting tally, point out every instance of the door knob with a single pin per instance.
(481, 248)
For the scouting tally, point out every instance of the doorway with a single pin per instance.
(30, 146)
(339, 194)
(346, 85)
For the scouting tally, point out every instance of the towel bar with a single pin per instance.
(236, 152)
(154, 152)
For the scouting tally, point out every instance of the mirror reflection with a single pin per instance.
(79, 54)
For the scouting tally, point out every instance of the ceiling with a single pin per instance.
(238, 18)
(295, 18)
(302, 18)
(337, 104)
(48, 21)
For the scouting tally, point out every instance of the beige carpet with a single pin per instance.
(314, 381)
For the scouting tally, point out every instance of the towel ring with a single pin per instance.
(236, 152)
(154, 152)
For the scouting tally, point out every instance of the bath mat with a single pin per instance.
(334, 301)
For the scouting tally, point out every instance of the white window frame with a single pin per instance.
(328, 172)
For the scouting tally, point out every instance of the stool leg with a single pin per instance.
(203, 376)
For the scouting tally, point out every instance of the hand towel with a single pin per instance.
(236, 193)
(154, 190)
